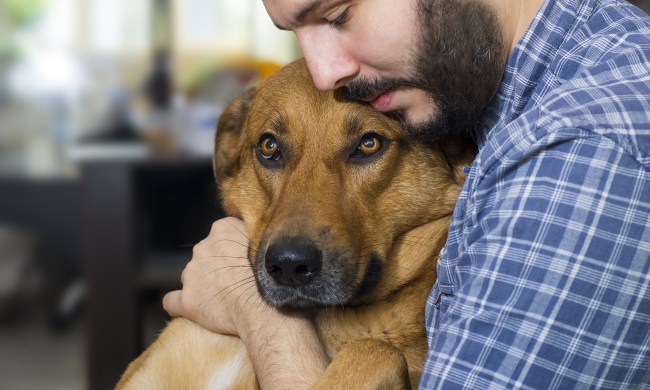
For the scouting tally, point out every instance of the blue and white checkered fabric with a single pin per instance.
(545, 279)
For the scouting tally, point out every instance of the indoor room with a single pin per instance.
(107, 121)
(108, 111)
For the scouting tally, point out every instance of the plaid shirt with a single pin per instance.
(545, 279)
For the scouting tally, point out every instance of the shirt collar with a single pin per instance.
(528, 63)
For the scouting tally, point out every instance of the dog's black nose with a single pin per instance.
(293, 262)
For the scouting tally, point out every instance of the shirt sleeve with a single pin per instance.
(553, 275)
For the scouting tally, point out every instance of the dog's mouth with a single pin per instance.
(296, 273)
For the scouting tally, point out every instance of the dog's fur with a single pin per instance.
(376, 221)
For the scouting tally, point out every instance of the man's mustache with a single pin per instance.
(365, 89)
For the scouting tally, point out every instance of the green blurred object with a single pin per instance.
(15, 15)
(21, 12)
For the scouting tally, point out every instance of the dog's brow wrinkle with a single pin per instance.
(278, 122)
(278, 125)
(353, 125)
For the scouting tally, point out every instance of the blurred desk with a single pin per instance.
(140, 218)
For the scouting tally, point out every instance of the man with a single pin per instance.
(545, 278)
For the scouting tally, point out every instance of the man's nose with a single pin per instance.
(330, 63)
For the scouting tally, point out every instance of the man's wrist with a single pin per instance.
(276, 338)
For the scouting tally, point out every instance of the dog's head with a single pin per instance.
(325, 187)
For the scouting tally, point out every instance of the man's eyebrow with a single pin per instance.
(304, 12)
(307, 9)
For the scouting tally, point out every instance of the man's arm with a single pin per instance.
(552, 284)
(220, 294)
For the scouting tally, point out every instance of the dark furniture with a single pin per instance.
(47, 210)
(140, 219)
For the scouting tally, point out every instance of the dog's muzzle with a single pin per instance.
(296, 271)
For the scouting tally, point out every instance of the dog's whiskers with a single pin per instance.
(240, 283)
(230, 287)
(228, 240)
(227, 267)
(251, 294)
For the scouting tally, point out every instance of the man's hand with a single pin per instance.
(218, 282)
(220, 294)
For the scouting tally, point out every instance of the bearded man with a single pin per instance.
(544, 280)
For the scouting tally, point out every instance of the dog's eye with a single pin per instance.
(369, 145)
(268, 148)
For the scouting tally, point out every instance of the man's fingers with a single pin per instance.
(172, 303)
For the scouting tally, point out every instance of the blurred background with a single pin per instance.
(107, 114)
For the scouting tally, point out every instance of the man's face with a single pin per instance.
(434, 64)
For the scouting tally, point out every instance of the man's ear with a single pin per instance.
(229, 130)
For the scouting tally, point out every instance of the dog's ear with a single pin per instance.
(459, 152)
(229, 129)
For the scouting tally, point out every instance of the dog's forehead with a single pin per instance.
(289, 108)
(288, 102)
(303, 114)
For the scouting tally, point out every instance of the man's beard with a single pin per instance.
(458, 61)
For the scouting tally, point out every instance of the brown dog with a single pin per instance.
(346, 215)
